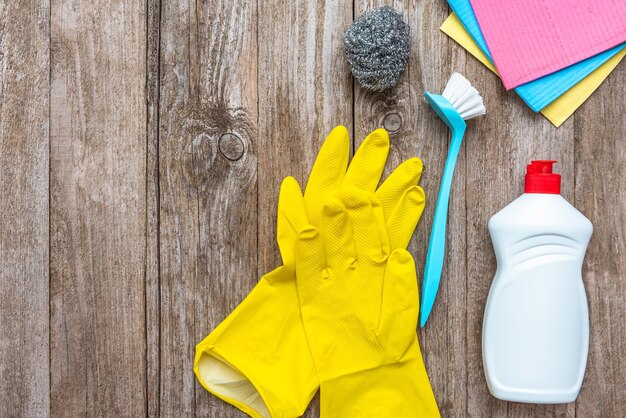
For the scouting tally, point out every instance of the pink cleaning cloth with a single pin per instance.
(532, 38)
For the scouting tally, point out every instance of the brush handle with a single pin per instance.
(437, 243)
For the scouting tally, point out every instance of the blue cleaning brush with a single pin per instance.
(458, 103)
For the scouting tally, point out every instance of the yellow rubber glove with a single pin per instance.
(258, 358)
(359, 304)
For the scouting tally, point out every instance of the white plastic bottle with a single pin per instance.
(536, 325)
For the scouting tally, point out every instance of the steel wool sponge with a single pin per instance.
(377, 47)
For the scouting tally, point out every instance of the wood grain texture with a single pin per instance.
(600, 152)
(153, 278)
(422, 134)
(208, 212)
(305, 90)
(24, 174)
(98, 208)
(142, 145)
(445, 345)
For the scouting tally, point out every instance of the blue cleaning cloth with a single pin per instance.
(541, 92)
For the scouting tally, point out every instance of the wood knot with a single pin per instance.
(392, 122)
(231, 146)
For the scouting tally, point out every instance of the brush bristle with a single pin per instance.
(464, 97)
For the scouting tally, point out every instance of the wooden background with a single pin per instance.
(142, 144)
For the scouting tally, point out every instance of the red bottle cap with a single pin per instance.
(541, 179)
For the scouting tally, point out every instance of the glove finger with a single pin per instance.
(405, 176)
(400, 302)
(381, 227)
(328, 172)
(291, 219)
(337, 235)
(404, 217)
(367, 241)
(310, 263)
(368, 163)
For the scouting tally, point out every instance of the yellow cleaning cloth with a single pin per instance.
(562, 108)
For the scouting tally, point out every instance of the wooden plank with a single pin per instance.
(207, 151)
(420, 133)
(24, 279)
(98, 208)
(153, 283)
(498, 148)
(446, 335)
(305, 89)
(600, 128)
